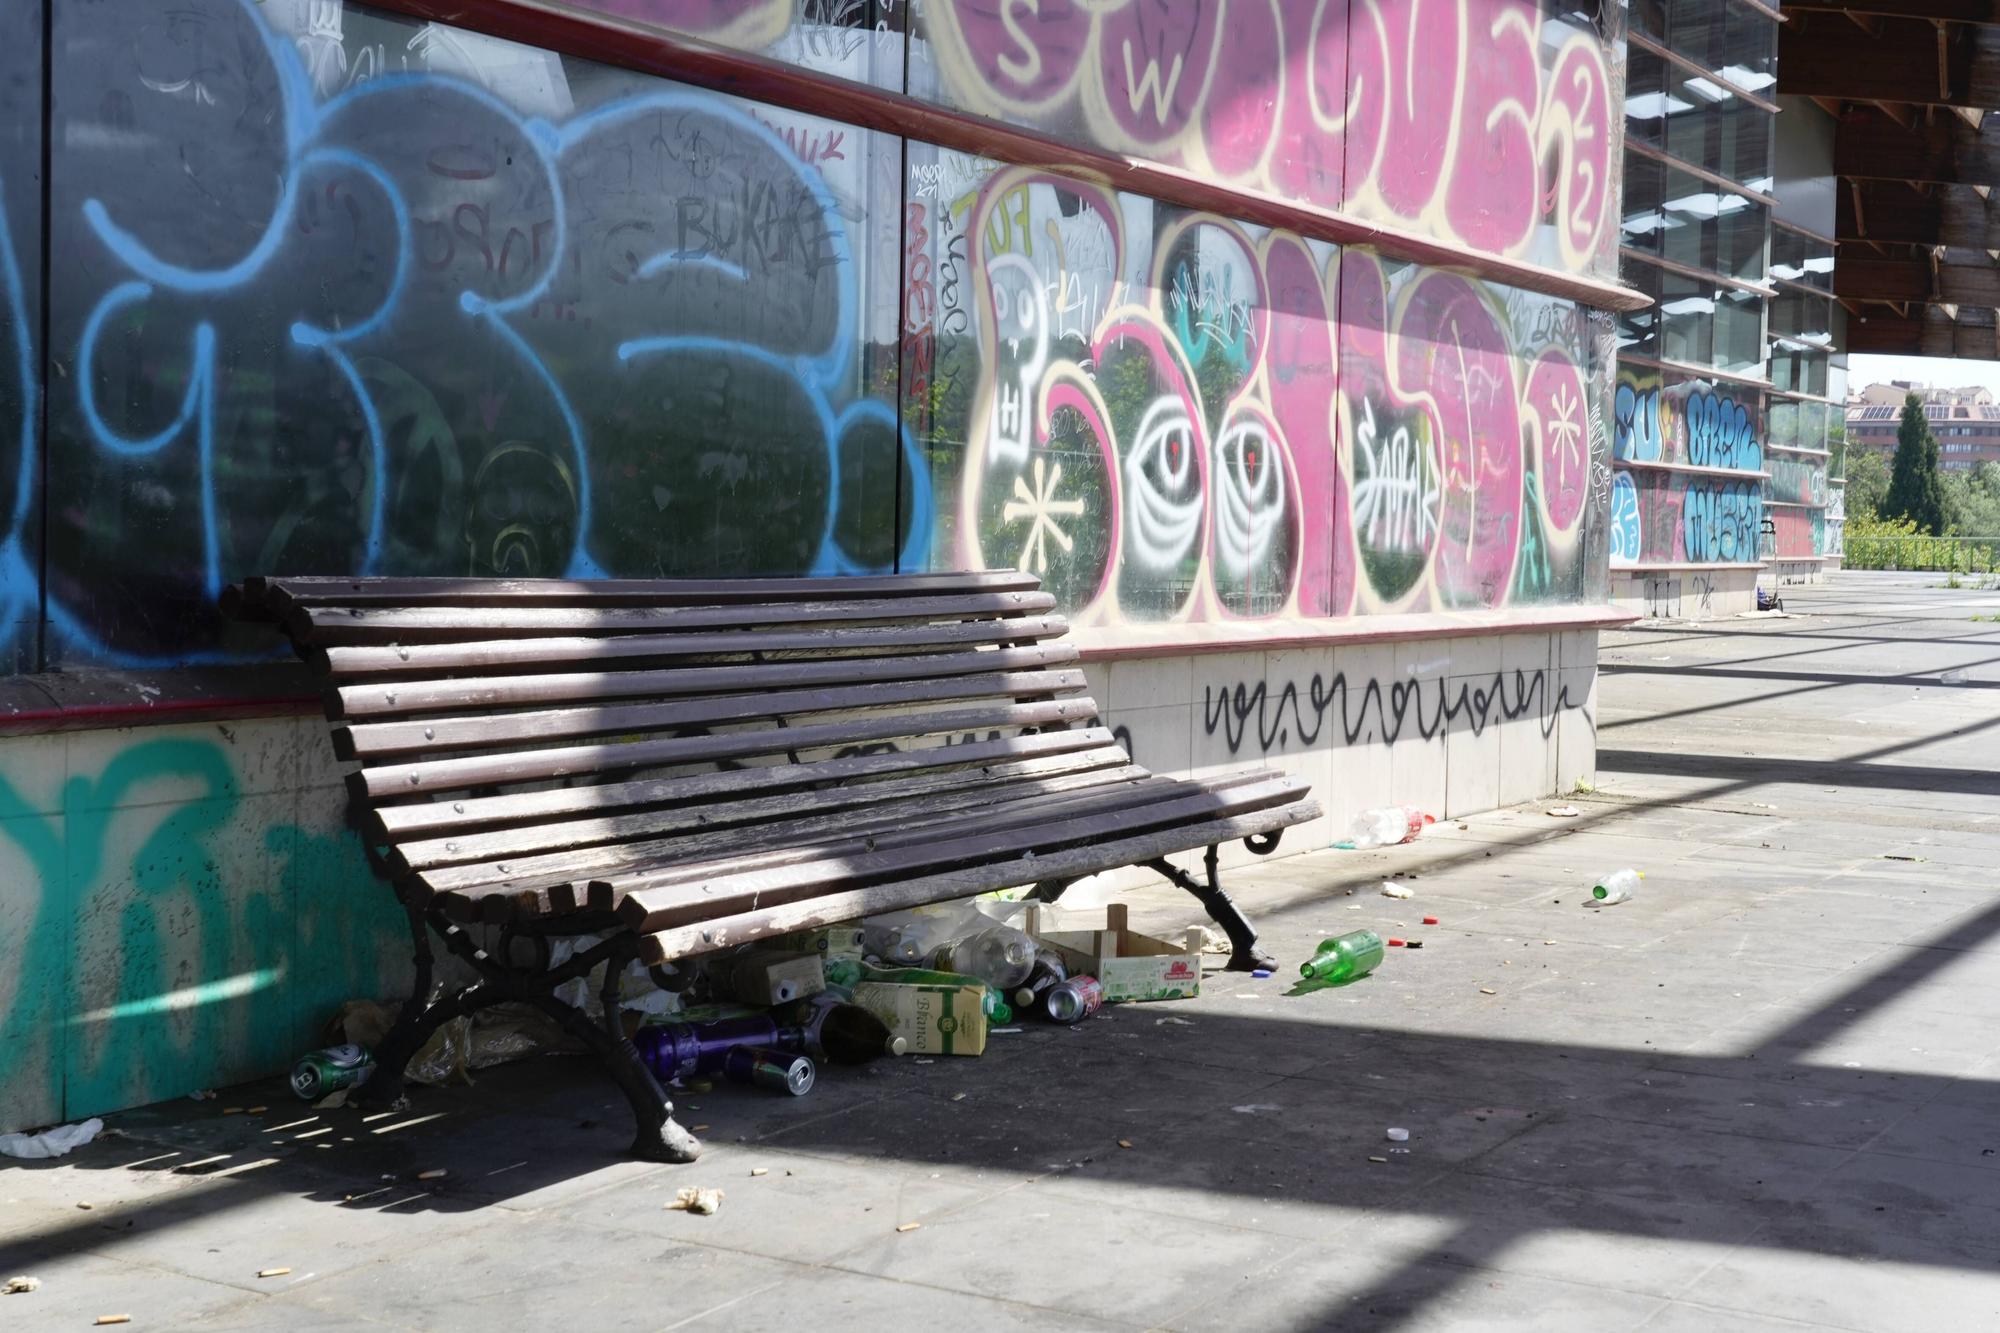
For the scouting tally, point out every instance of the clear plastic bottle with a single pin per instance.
(1344, 957)
(1048, 971)
(1386, 825)
(995, 953)
(1619, 886)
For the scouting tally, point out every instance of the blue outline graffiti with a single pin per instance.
(309, 134)
(1720, 434)
(19, 587)
(1625, 530)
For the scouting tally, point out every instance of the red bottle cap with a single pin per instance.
(1430, 921)
(1395, 943)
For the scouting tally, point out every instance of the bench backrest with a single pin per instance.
(517, 734)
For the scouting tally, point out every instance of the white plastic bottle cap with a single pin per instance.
(1399, 1135)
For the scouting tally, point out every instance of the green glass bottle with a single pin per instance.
(1344, 957)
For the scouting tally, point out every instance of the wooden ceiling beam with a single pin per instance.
(1869, 145)
(1927, 333)
(1931, 11)
(1907, 61)
(1959, 216)
(1918, 281)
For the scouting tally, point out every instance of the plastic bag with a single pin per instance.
(57, 1142)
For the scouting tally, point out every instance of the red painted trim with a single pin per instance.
(1100, 645)
(648, 50)
(85, 717)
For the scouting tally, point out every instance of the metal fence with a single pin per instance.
(1956, 555)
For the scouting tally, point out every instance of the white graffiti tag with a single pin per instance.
(1249, 495)
(1395, 488)
(1163, 500)
(1041, 507)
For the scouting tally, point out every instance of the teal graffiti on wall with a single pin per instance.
(176, 934)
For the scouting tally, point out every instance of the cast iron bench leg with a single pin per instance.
(1244, 953)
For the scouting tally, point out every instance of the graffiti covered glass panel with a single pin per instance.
(1491, 123)
(20, 319)
(1160, 413)
(499, 313)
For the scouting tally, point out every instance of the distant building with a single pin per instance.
(1966, 422)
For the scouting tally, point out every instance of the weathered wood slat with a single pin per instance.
(1032, 816)
(851, 904)
(310, 590)
(371, 740)
(329, 625)
(501, 692)
(738, 845)
(572, 651)
(648, 909)
(442, 775)
(432, 855)
(438, 817)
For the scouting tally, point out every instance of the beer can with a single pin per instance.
(322, 1073)
(1074, 1000)
(780, 1071)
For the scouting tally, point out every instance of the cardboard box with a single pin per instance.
(1129, 966)
(767, 976)
(934, 1020)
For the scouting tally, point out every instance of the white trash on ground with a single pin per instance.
(57, 1142)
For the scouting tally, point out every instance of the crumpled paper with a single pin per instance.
(57, 1142)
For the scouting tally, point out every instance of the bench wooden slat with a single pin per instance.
(501, 692)
(895, 895)
(313, 590)
(699, 878)
(328, 625)
(442, 775)
(491, 731)
(429, 855)
(806, 830)
(474, 812)
(420, 659)
(649, 909)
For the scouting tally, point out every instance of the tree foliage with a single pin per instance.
(1867, 483)
(1915, 491)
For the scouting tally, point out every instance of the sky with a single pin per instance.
(1865, 368)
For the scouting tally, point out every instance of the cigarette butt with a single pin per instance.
(760, 1171)
(909, 1226)
(114, 1319)
(1488, 990)
(272, 1272)
(85, 1206)
(436, 1173)
(257, 1110)
(958, 1096)
(232, 1110)
(1124, 1143)
(1378, 1159)
(699, 1128)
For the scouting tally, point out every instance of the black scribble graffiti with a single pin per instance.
(1372, 712)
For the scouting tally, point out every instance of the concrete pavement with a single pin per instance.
(1764, 1095)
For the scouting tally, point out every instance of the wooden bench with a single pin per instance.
(690, 765)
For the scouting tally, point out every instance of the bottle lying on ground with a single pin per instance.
(1344, 957)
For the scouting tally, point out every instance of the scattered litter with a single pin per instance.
(699, 1128)
(691, 1199)
(1394, 890)
(1378, 1159)
(257, 1110)
(1413, 944)
(958, 1096)
(1256, 1108)
(908, 1226)
(1385, 826)
(1393, 942)
(1213, 940)
(439, 1173)
(1617, 887)
(1399, 1135)
(1354, 907)
(991, 1032)
(232, 1110)
(20, 1286)
(1430, 921)
(202, 1095)
(55, 1142)
(1764, 805)
(1260, 971)
(104, 1319)
(1564, 812)
(1124, 1143)
(272, 1272)
(760, 1170)
(1182, 1022)
(1891, 856)
(1488, 990)
(1548, 942)
(81, 1204)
